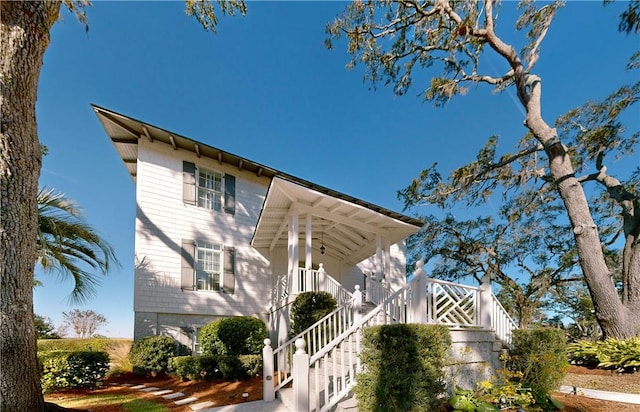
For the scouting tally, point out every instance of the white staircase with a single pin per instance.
(327, 352)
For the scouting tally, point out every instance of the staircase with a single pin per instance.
(316, 370)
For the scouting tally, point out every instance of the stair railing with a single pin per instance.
(336, 365)
(501, 322)
(316, 336)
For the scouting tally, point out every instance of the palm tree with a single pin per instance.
(67, 244)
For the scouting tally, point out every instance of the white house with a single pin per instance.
(218, 235)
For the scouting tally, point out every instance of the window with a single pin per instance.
(209, 189)
(197, 349)
(208, 266)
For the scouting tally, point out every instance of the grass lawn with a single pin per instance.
(129, 403)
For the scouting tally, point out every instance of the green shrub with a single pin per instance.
(251, 364)
(151, 354)
(231, 368)
(539, 357)
(403, 368)
(210, 344)
(242, 335)
(194, 367)
(608, 354)
(310, 307)
(72, 369)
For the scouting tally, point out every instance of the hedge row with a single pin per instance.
(210, 367)
(72, 369)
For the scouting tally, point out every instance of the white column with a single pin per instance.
(268, 392)
(379, 267)
(387, 262)
(485, 303)
(293, 252)
(308, 264)
(300, 375)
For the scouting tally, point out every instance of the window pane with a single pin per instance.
(209, 189)
(208, 266)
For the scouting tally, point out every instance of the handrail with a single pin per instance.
(317, 336)
(377, 292)
(501, 322)
(341, 355)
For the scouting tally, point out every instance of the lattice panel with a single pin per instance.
(454, 305)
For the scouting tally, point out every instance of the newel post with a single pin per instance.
(300, 375)
(356, 304)
(268, 392)
(322, 278)
(419, 295)
(485, 303)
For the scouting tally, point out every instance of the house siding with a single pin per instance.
(163, 220)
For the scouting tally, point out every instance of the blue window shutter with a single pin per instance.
(229, 194)
(189, 183)
(188, 264)
(229, 278)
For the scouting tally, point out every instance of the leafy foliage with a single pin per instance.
(72, 369)
(310, 307)
(607, 354)
(45, 329)
(539, 357)
(195, 367)
(539, 183)
(241, 335)
(67, 244)
(403, 367)
(151, 354)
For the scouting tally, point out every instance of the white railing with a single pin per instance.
(334, 342)
(452, 304)
(317, 336)
(501, 322)
(280, 291)
(336, 365)
(376, 292)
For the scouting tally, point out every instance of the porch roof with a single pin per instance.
(347, 225)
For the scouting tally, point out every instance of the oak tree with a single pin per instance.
(24, 28)
(551, 165)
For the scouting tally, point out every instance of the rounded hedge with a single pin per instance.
(151, 354)
(242, 335)
(310, 307)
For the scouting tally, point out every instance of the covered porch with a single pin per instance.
(310, 231)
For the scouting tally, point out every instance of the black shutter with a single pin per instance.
(229, 278)
(189, 183)
(230, 194)
(188, 264)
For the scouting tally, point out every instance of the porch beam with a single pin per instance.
(333, 217)
(280, 230)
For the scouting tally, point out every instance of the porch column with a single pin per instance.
(293, 252)
(485, 303)
(379, 267)
(387, 259)
(308, 264)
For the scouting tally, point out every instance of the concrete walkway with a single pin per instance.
(603, 395)
(256, 406)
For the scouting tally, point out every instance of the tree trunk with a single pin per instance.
(615, 319)
(25, 36)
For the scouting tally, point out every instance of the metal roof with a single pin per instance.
(355, 222)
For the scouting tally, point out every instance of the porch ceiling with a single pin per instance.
(346, 229)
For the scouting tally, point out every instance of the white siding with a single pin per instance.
(163, 220)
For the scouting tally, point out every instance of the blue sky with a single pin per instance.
(267, 89)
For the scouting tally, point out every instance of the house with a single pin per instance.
(219, 235)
